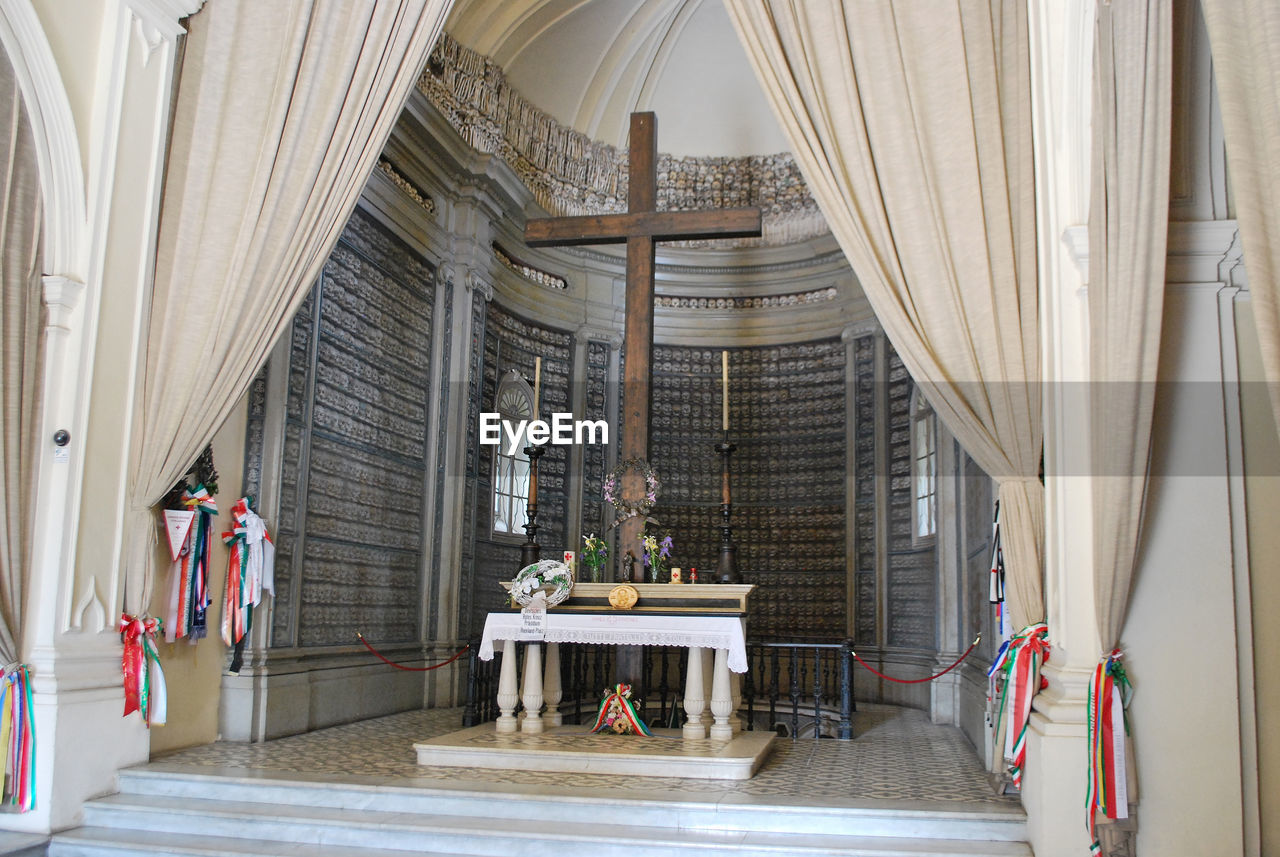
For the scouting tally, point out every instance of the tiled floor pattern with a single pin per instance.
(896, 755)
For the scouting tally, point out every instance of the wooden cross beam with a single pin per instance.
(641, 227)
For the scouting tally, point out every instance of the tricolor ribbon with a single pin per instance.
(1108, 793)
(144, 685)
(189, 575)
(18, 738)
(1019, 658)
(250, 570)
(617, 704)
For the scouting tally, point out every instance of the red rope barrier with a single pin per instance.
(380, 657)
(959, 660)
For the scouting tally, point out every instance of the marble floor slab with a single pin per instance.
(576, 750)
(898, 758)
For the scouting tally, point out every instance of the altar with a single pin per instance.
(707, 620)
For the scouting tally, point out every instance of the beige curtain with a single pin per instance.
(282, 109)
(1128, 225)
(1244, 37)
(912, 125)
(20, 325)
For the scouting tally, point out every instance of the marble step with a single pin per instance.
(715, 812)
(498, 834)
(114, 842)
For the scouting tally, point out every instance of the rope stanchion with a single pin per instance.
(384, 659)
(957, 663)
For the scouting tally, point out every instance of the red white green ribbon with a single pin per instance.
(189, 576)
(144, 685)
(1109, 694)
(617, 713)
(18, 738)
(1020, 658)
(250, 570)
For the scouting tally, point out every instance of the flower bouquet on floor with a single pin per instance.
(618, 713)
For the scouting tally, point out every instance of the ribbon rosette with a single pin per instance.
(144, 687)
(617, 714)
(1020, 658)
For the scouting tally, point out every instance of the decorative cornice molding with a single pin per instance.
(571, 174)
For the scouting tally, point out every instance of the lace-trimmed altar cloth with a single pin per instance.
(709, 632)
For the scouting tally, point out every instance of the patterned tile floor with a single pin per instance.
(897, 756)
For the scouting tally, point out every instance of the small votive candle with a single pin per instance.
(675, 576)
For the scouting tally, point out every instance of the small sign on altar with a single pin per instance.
(533, 621)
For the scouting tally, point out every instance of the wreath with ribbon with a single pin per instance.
(631, 508)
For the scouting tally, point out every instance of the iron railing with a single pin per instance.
(795, 689)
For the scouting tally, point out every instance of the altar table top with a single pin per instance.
(628, 629)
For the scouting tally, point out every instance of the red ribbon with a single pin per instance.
(133, 631)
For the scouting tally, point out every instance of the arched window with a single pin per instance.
(514, 402)
(924, 469)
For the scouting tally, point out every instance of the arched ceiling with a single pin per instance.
(590, 63)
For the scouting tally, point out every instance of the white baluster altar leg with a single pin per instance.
(721, 697)
(551, 691)
(694, 696)
(735, 688)
(532, 688)
(708, 670)
(508, 696)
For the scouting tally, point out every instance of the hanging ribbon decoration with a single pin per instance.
(1109, 694)
(1020, 658)
(617, 714)
(187, 608)
(144, 685)
(250, 571)
(18, 738)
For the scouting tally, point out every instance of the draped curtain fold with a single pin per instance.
(281, 112)
(1128, 228)
(1244, 38)
(20, 326)
(912, 125)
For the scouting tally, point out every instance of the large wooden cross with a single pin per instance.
(641, 227)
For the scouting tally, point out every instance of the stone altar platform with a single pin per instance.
(573, 749)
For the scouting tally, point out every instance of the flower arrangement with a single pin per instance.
(656, 554)
(631, 508)
(548, 576)
(594, 554)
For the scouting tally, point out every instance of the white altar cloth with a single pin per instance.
(632, 629)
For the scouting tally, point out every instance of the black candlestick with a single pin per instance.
(530, 552)
(727, 569)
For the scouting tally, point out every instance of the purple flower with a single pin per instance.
(666, 548)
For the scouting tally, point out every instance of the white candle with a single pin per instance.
(724, 388)
(537, 384)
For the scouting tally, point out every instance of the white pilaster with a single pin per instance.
(101, 161)
(1053, 789)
